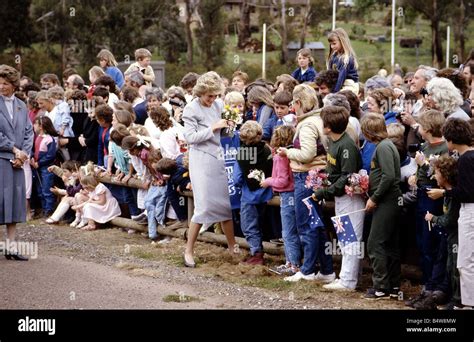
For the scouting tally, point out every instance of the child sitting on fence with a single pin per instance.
(101, 207)
(70, 177)
(342, 58)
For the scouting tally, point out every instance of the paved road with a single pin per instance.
(54, 282)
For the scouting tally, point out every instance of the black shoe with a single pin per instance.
(396, 294)
(411, 301)
(452, 305)
(428, 303)
(373, 294)
(440, 297)
(15, 256)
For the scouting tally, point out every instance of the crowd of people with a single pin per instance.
(236, 144)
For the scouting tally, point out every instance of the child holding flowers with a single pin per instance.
(343, 161)
(253, 196)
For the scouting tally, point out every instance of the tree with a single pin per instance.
(433, 10)
(15, 26)
(462, 13)
(189, 9)
(170, 37)
(210, 36)
(284, 34)
(306, 17)
(244, 24)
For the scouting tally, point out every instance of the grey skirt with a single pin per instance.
(12, 194)
(210, 188)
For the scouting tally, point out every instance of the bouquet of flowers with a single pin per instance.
(422, 160)
(231, 114)
(431, 162)
(317, 179)
(258, 175)
(358, 183)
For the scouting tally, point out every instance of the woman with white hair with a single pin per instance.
(202, 126)
(444, 96)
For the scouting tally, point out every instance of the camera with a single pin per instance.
(413, 148)
(177, 102)
(398, 116)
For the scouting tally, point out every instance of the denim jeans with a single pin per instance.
(44, 182)
(312, 240)
(290, 236)
(155, 204)
(429, 243)
(249, 215)
(177, 201)
(125, 195)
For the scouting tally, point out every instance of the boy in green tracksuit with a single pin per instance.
(385, 201)
(343, 159)
(446, 174)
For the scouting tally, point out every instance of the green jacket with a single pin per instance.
(384, 178)
(343, 158)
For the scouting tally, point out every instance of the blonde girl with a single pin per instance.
(342, 58)
(109, 65)
(101, 206)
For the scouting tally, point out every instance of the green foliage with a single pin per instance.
(170, 36)
(35, 61)
(15, 26)
(175, 72)
(210, 37)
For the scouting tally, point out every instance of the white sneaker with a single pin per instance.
(325, 278)
(298, 276)
(82, 224)
(336, 285)
(75, 222)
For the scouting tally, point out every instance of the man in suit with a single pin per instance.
(16, 141)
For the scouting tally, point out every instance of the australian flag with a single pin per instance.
(344, 229)
(314, 219)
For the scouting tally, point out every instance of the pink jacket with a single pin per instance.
(282, 177)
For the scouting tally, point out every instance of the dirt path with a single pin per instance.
(110, 269)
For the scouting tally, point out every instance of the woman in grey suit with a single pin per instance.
(202, 126)
(16, 141)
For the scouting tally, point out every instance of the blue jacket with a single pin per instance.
(270, 126)
(252, 193)
(141, 113)
(348, 71)
(367, 150)
(231, 147)
(116, 75)
(308, 76)
(100, 151)
(179, 176)
(46, 158)
(17, 132)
